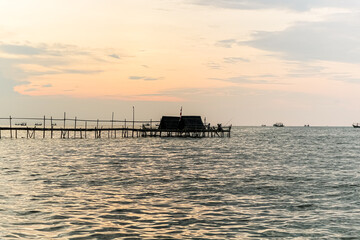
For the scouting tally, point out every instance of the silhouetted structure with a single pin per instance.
(191, 123)
(169, 126)
(169, 123)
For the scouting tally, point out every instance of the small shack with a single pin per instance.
(191, 123)
(169, 123)
(184, 123)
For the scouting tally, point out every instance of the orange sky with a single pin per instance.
(185, 53)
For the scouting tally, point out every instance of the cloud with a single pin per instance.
(20, 49)
(297, 5)
(23, 66)
(235, 60)
(213, 65)
(114, 56)
(346, 78)
(30, 90)
(80, 71)
(335, 40)
(261, 79)
(246, 80)
(136, 78)
(227, 43)
(42, 49)
(150, 79)
(143, 78)
(6, 84)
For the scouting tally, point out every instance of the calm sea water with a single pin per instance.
(261, 183)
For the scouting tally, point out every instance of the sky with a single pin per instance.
(240, 62)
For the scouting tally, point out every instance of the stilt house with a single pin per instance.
(184, 123)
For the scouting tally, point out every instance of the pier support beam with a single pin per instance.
(10, 127)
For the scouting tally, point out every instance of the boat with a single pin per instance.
(356, 125)
(278, 124)
(306, 125)
(263, 125)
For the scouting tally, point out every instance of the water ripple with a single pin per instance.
(261, 183)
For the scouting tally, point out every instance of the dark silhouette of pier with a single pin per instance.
(66, 128)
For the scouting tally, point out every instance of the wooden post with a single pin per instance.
(75, 128)
(44, 127)
(125, 122)
(133, 121)
(112, 124)
(64, 119)
(0, 133)
(52, 126)
(15, 133)
(85, 128)
(10, 127)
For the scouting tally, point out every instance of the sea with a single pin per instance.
(261, 183)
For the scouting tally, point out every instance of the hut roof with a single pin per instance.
(191, 123)
(169, 123)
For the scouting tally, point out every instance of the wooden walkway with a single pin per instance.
(33, 132)
(48, 129)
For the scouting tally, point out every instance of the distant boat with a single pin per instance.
(20, 124)
(38, 124)
(263, 125)
(356, 125)
(306, 125)
(279, 124)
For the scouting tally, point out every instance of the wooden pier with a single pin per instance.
(82, 129)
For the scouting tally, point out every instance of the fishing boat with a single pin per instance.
(356, 125)
(278, 124)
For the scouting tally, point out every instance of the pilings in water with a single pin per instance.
(83, 129)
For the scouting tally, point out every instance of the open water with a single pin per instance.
(279, 183)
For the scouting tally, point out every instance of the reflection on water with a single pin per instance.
(261, 183)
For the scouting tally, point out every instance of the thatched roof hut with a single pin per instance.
(184, 123)
(191, 123)
(169, 123)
